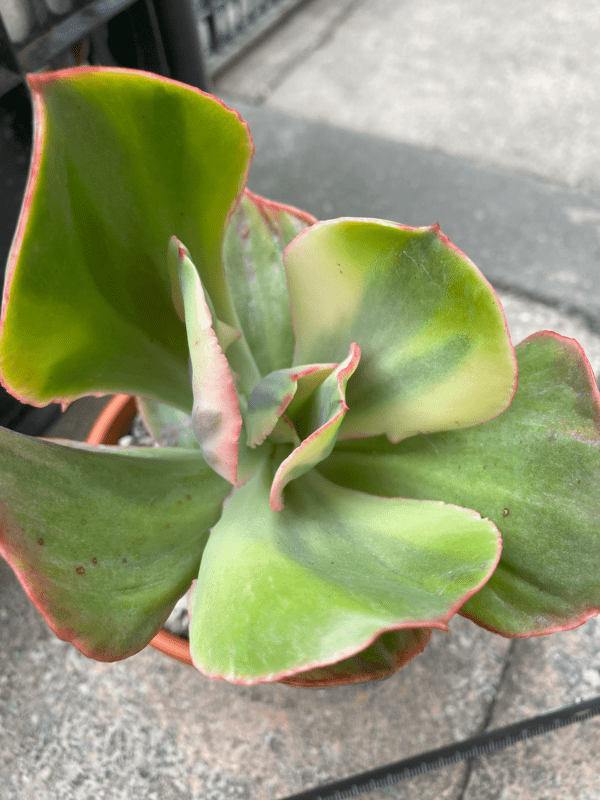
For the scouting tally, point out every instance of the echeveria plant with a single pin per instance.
(349, 460)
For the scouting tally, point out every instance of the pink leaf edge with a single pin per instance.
(294, 375)
(573, 348)
(279, 481)
(216, 417)
(435, 228)
(37, 82)
(40, 589)
(273, 206)
(439, 623)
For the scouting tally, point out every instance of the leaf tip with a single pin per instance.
(276, 496)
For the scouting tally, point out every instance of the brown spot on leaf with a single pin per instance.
(124, 560)
(83, 522)
(168, 525)
(40, 541)
(189, 496)
(80, 570)
(485, 466)
(94, 560)
(506, 512)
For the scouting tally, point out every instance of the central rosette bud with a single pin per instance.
(304, 406)
(307, 295)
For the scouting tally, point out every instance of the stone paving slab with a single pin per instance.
(513, 84)
(150, 729)
(546, 673)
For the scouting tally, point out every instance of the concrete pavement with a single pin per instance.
(511, 84)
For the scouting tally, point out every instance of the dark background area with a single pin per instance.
(15, 150)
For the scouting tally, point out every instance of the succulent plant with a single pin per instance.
(347, 456)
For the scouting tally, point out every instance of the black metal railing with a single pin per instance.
(39, 34)
(229, 28)
(190, 40)
(200, 37)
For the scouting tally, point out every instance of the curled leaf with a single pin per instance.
(436, 353)
(276, 391)
(216, 417)
(327, 409)
(534, 471)
(281, 593)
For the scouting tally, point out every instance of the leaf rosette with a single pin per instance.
(349, 461)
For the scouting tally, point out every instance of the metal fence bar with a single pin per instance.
(10, 70)
(132, 39)
(201, 37)
(43, 34)
(228, 29)
(178, 23)
(68, 31)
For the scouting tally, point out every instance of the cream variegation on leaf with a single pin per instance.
(347, 457)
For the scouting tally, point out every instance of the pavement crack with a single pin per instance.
(489, 715)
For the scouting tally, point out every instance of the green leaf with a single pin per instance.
(535, 471)
(253, 254)
(276, 391)
(435, 351)
(122, 161)
(388, 653)
(226, 335)
(285, 592)
(104, 539)
(216, 417)
(325, 415)
(169, 426)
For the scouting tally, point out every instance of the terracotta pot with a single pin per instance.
(115, 421)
